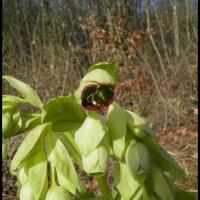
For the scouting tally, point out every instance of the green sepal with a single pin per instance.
(105, 73)
(110, 68)
(99, 76)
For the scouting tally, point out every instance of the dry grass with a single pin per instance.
(153, 81)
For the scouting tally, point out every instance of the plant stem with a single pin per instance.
(105, 189)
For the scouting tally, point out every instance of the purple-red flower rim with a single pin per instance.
(88, 106)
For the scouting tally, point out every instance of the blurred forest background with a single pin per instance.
(49, 44)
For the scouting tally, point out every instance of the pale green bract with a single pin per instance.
(116, 116)
(99, 76)
(90, 134)
(110, 68)
(96, 162)
(138, 158)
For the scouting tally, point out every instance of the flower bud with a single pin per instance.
(57, 192)
(137, 158)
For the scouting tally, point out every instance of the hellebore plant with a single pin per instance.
(86, 128)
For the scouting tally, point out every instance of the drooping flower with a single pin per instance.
(97, 96)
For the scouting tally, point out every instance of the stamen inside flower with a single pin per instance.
(97, 96)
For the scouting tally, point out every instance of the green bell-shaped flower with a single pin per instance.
(96, 91)
(138, 158)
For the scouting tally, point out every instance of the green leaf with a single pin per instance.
(183, 195)
(126, 184)
(116, 123)
(96, 162)
(25, 90)
(159, 155)
(37, 174)
(90, 134)
(64, 109)
(137, 158)
(27, 145)
(31, 122)
(110, 68)
(140, 130)
(26, 192)
(60, 158)
(12, 99)
(65, 126)
(160, 184)
(7, 107)
(57, 193)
